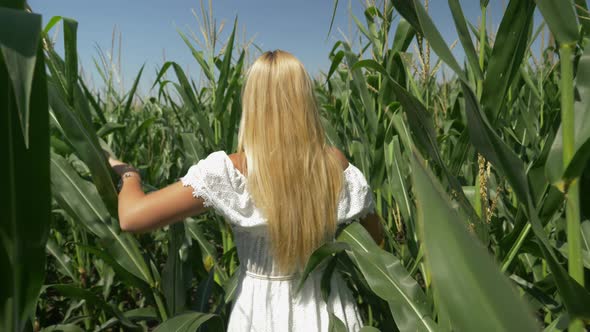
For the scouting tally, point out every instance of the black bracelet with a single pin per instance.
(129, 170)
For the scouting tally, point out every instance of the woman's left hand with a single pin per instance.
(118, 166)
(114, 162)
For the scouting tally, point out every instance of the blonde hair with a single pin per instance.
(293, 177)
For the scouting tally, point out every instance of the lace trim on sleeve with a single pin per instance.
(196, 179)
(357, 197)
(369, 208)
(345, 222)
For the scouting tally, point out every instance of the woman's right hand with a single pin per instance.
(372, 223)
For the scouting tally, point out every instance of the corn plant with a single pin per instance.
(489, 116)
(25, 169)
(480, 178)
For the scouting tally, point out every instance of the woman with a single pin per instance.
(284, 193)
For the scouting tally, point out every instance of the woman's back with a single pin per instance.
(265, 298)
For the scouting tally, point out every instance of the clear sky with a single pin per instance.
(149, 28)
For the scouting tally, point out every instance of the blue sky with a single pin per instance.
(149, 28)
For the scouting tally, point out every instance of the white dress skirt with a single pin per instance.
(265, 300)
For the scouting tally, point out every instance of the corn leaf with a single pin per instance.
(87, 146)
(24, 170)
(460, 265)
(80, 199)
(560, 18)
(491, 146)
(554, 167)
(389, 280)
(19, 51)
(510, 46)
(64, 262)
(177, 275)
(465, 37)
(83, 294)
(190, 322)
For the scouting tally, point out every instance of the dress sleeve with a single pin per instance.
(356, 197)
(215, 180)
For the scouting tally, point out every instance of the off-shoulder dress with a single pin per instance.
(265, 300)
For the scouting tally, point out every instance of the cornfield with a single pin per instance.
(481, 179)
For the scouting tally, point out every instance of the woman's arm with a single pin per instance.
(139, 212)
(371, 222)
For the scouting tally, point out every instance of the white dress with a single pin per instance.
(265, 300)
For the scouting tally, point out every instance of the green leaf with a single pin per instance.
(190, 322)
(369, 329)
(14, 4)
(66, 74)
(204, 290)
(230, 286)
(185, 90)
(422, 126)
(52, 22)
(408, 11)
(583, 17)
(24, 171)
(585, 227)
(491, 146)
(560, 18)
(332, 19)
(207, 249)
(436, 40)
(335, 324)
(331, 133)
(126, 276)
(63, 261)
(460, 265)
(510, 47)
(110, 127)
(80, 200)
(554, 165)
(359, 85)
(396, 176)
(140, 314)
(414, 12)
(336, 60)
(326, 280)
(95, 103)
(224, 72)
(198, 55)
(231, 122)
(319, 257)
(78, 197)
(71, 54)
(63, 328)
(465, 37)
(83, 294)
(420, 120)
(127, 108)
(18, 44)
(404, 33)
(87, 147)
(177, 275)
(389, 280)
(135, 315)
(138, 133)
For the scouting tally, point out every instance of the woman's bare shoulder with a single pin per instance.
(340, 156)
(238, 159)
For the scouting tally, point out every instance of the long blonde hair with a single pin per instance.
(293, 177)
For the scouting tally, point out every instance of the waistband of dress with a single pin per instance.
(269, 277)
